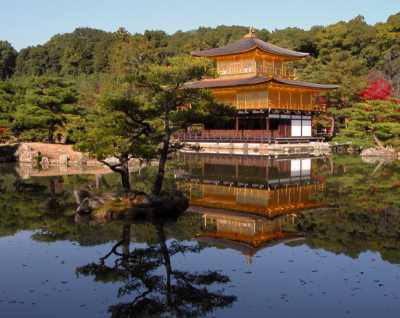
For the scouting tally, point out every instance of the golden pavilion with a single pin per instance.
(272, 105)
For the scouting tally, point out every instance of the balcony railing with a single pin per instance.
(246, 136)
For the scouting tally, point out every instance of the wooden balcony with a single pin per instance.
(245, 136)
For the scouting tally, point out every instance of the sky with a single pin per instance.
(31, 22)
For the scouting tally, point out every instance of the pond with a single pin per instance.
(289, 237)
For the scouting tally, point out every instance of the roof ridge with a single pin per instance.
(247, 44)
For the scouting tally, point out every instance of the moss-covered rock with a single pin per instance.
(133, 206)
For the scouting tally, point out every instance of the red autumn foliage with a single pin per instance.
(378, 89)
(321, 100)
(2, 130)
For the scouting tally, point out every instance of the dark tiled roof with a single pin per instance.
(248, 44)
(255, 80)
(215, 82)
(305, 84)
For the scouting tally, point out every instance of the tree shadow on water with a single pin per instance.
(156, 288)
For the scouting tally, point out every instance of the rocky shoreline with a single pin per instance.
(135, 205)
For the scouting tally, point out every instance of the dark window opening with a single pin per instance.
(257, 123)
(273, 124)
(221, 124)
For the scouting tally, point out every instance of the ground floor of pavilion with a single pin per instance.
(257, 127)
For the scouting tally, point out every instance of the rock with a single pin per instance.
(170, 204)
(80, 195)
(82, 160)
(139, 199)
(84, 207)
(26, 154)
(63, 159)
(45, 163)
(136, 206)
(88, 202)
(383, 152)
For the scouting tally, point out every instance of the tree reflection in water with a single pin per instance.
(158, 293)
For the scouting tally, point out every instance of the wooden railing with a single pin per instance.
(235, 68)
(256, 136)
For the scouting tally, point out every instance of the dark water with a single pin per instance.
(264, 237)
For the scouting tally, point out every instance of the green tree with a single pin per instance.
(8, 56)
(175, 107)
(368, 120)
(8, 101)
(118, 128)
(32, 61)
(45, 105)
(391, 68)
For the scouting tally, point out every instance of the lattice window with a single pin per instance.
(273, 98)
(296, 100)
(265, 67)
(307, 100)
(252, 100)
(227, 99)
(285, 99)
(236, 67)
(278, 69)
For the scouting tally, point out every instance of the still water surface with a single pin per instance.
(300, 237)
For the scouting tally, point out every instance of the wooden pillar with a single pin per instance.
(301, 100)
(279, 98)
(273, 67)
(237, 122)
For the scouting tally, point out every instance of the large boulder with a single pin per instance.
(89, 202)
(382, 152)
(170, 204)
(134, 206)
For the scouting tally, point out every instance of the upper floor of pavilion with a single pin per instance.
(251, 56)
(253, 74)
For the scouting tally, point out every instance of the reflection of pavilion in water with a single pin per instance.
(26, 171)
(267, 187)
(246, 202)
(243, 232)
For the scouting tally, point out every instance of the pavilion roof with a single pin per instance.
(254, 80)
(245, 247)
(249, 43)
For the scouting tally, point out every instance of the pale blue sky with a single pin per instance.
(31, 22)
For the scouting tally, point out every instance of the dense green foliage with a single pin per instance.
(364, 120)
(343, 53)
(45, 105)
(8, 56)
(175, 108)
(137, 117)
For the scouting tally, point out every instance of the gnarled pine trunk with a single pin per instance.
(124, 173)
(123, 170)
(161, 169)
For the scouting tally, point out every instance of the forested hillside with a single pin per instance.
(353, 54)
